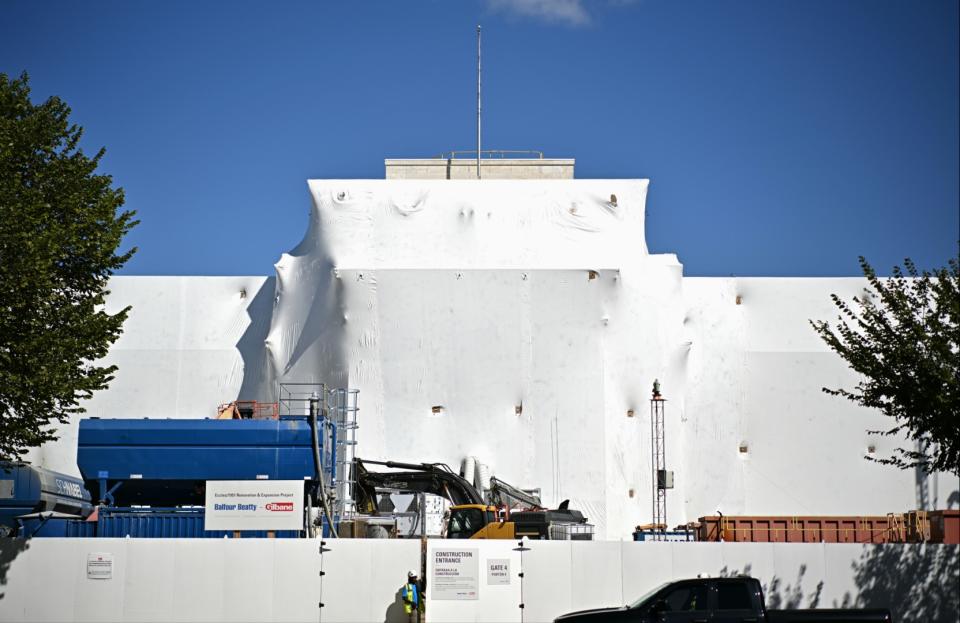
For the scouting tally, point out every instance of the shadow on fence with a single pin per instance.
(779, 595)
(917, 582)
(9, 550)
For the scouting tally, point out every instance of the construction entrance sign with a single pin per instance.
(456, 574)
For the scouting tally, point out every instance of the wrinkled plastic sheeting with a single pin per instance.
(188, 345)
(513, 320)
(487, 319)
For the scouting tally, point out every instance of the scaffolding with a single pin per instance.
(338, 441)
(661, 478)
(342, 405)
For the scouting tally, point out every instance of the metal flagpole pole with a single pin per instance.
(478, 102)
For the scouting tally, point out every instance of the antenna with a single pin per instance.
(478, 101)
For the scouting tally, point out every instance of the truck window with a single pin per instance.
(733, 596)
(687, 598)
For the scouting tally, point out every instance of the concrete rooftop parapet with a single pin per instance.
(492, 168)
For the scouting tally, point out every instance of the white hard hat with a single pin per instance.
(412, 574)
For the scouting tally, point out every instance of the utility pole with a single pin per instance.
(478, 101)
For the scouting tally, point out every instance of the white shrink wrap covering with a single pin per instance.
(522, 323)
(518, 321)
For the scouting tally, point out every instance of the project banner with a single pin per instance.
(456, 574)
(254, 505)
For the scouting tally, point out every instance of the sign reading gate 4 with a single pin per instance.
(254, 505)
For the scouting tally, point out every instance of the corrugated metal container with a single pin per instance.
(81, 529)
(37, 525)
(160, 462)
(945, 527)
(803, 529)
(147, 524)
(680, 536)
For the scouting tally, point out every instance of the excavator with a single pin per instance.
(471, 515)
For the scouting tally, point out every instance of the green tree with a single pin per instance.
(59, 233)
(902, 336)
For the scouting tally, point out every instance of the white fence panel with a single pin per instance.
(41, 579)
(798, 577)
(363, 578)
(645, 565)
(278, 579)
(547, 578)
(839, 560)
(96, 596)
(148, 581)
(692, 559)
(296, 580)
(199, 585)
(756, 559)
(595, 574)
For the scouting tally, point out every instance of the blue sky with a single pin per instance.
(780, 138)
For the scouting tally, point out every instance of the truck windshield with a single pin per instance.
(646, 596)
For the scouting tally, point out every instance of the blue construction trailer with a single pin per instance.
(149, 476)
(167, 462)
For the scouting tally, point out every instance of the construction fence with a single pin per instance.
(355, 580)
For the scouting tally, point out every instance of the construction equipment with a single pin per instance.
(149, 477)
(471, 515)
(46, 498)
(911, 527)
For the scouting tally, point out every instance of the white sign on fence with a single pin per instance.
(254, 505)
(498, 571)
(456, 574)
(100, 566)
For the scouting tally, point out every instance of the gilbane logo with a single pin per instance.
(279, 506)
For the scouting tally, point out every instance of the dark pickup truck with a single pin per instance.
(714, 600)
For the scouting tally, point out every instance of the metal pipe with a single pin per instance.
(314, 438)
(479, 152)
(311, 529)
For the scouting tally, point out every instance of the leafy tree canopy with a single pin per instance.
(59, 232)
(903, 337)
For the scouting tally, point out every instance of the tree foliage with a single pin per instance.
(60, 229)
(902, 337)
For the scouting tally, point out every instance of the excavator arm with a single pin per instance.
(435, 478)
(506, 495)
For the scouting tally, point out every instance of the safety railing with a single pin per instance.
(488, 153)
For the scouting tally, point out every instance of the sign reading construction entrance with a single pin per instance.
(254, 505)
(456, 574)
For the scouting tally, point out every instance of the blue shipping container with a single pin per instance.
(169, 524)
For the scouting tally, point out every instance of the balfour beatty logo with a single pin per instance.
(279, 506)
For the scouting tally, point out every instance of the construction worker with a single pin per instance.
(411, 596)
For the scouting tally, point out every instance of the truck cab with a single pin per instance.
(715, 600)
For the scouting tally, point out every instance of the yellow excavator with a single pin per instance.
(472, 516)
